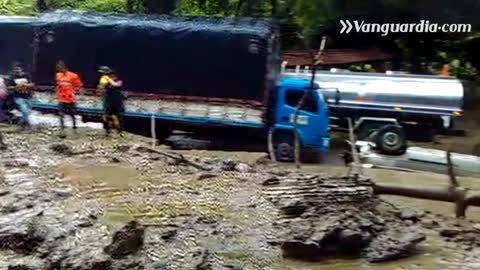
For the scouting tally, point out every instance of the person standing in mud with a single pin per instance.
(3, 100)
(19, 82)
(113, 99)
(66, 83)
(3, 115)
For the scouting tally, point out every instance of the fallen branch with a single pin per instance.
(456, 195)
(177, 157)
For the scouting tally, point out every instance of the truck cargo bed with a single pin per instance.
(189, 111)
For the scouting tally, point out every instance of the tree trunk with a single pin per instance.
(202, 3)
(130, 6)
(249, 8)
(239, 7)
(159, 6)
(42, 5)
(274, 4)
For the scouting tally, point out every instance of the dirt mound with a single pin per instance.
(333, 215)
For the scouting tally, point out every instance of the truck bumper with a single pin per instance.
(323, 147)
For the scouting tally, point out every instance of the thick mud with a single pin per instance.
(90, 202)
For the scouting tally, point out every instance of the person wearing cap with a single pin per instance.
(19, 82)
(113, 99)
(66, 83)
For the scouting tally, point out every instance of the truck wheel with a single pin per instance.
(162, 135)
(391, 140)
(187, 143)
(284, 148)
(367, 132)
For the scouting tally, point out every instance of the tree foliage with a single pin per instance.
(17, 7)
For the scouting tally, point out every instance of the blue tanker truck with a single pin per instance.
(202, 75)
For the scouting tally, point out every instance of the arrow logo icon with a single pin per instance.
(346, 26)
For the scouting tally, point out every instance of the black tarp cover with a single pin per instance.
(16, 42)
(197, 57)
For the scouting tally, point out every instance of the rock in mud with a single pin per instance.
(351, 241)
(271, 181)
(18, 231)
(243, 168)
(229, 165)
(429, 223)
(126, 241)
(410, 214)
(62, 193)
(123, 148)
(206, 175)
(450, 232)
(394, 243)
(61, 149)
(115, 160)
(294, 208)
(4, 192)
(203, 260)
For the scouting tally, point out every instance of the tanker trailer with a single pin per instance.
(417, 106)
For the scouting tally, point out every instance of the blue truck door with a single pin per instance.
(311, 120)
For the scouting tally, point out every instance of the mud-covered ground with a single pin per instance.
(67, 204)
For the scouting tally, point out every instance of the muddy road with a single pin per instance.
(189, 218)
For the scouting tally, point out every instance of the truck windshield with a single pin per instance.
(292, 97)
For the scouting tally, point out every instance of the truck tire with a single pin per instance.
(187, 143)
(367, 132)
(391, 140)
(284, 147)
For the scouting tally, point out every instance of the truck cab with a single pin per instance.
(312, 120)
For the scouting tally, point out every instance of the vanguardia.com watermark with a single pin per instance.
(386, 28)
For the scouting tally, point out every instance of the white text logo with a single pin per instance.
(386, 28)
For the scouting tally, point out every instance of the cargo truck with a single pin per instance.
(205, 75)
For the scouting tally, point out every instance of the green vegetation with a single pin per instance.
(419, 53)
(17, 7)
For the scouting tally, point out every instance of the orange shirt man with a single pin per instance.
(66, 83)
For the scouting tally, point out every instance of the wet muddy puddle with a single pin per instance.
(117, 186)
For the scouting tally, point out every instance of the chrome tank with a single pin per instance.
(389, 91)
